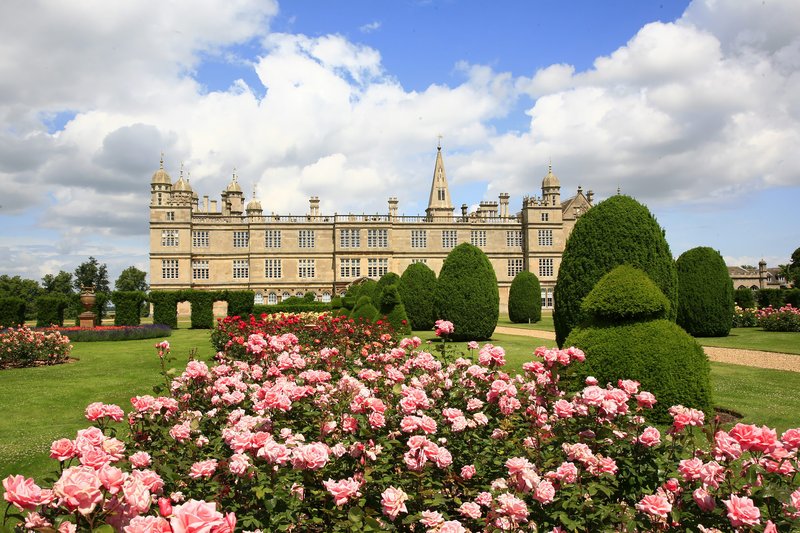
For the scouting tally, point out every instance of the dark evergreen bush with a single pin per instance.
(467, 294)
(616, 231)
(364, 310)
(770, 297)
(417, 291)
(792, 296)
(393, 310)
(744, 298)
(12, 312)
(336, 303)
(302, 307)
(128, 305)
(202, 307)
(705, 293)
(525, 298)
(368, 287)
(50, 310)
(309, 297)
(665, 359)
(240, 303)
(165, 307)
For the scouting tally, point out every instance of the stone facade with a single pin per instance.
(757, 278)
(230, 245)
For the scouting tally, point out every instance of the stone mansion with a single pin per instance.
(235, 245)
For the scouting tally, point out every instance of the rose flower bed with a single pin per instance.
(284, 435)
(23, 347)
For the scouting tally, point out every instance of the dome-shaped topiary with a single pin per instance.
(705, 293)
(624, 294)
(417, 287)
(467, 294)
(617, 231)
(394, 310)
(364, 310)
(525, 298)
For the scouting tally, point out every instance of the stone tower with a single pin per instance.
(439, 204)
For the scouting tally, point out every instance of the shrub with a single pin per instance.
(618, 230)
(336, 303)
(744, 318)
(792, 297)
(240, 303)
(743, 297)
(364, 310)
(202, 307)
(128, 306)
(50, 310)
(297, 307)
(629, 340)
(12, 312)
(393, 309)
(467, 294)
(309, 297)
(165, 307)
(25, 347)
(770, 298)
(786, 318)
(369, 288)
(115, 333)
(525, 298)
(417, 291)
(705, 293)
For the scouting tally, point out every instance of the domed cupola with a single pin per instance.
(182, 185)
(551, 187)
(253, 208)
(234, 186)
(160, 176)
(160, 186)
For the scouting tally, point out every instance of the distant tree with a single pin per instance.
(92, 273)
(794, 269)
(61, 283)
(25, 289)
(131, 279)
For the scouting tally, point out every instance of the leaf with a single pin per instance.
(355, 515)
(105, 528)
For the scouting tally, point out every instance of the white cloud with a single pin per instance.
(370, 27)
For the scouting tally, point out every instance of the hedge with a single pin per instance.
(240, 303)
(792, 296)
(770, 298)
(12, 312)
(743, 297)
(525, 298)
(50, 310)
(165, 307)
(314, 307)
(121, 333)
(364, 310)
(705, 293)
(467, 293)
(618, 230)
(393, 310)
(417, 291)
(202, 302)
(128, 306)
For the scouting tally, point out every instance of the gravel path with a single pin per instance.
(773, 360)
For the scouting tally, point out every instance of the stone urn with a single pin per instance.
(86, 319)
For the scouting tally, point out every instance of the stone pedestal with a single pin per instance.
(86, 319)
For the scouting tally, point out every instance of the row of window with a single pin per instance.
(272, 297)
(306, 268)
(351, 238)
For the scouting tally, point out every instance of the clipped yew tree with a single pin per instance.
(617, 231)
(467, 294)
(705, 293)
(525, 298)
(364, 310)
(417, 289)
(393, 310)
(626, 335)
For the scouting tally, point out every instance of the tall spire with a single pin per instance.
(439, 203)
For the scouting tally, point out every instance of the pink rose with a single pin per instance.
(94, 411)
(136, 495)
(62, 450)
(563, 409)
(147, 524)
(545, 492)
(79, 489)
(22, 492)
(742, 511)
(655, 505)
(195, 517)
(343, 490)
(650, 437)
(112, 478)
(140, 459)
(393, 501)
(645, 399)
(726, 447)
(376, 420)
(203, 469)
(452, 526)
(310, 456)
(467, 471)
(470, 510)
(443, 457)
(704, 500)
(791, 439)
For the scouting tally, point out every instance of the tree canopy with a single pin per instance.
(92, 273)
(132, 279)
(60, 283)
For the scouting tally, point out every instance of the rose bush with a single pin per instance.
(21, 347)
(379, 435)
(787, 318)
(745, 317)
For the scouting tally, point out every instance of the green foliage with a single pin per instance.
(202, 307)
(393, 309)
(364, 310)
(296, 307)
(61, 283)
(467, 295)
(336, 303)
(25, 289)
(705, 293)
(417, 291)
(792, 297)
(525, 298)
(92, 273)
(743, 297)
(794, 269)
(12, 311)
(240, 303)
(309, 297)
(617, 231)
(666, 360)
(165, 307)
(368, 287)
(132, 279)
(770, 298)
(624, 294)
(128, 305)
(50, 310)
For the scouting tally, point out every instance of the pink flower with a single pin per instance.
(726, 447)
(79, 489)
(22, 492)
(35, 521)
(136, 495)
(444, 327)
(472, 345)
(655, 505)
(742, 511)
(645, 399)
(195, 517)
(467, 471)
(545, 492)
(443, 457)
(791, 439)
(239, 463)
(470, 510)
(147, 524)
(512, 507)
(343, 490)
(452, 526)
(140, 459)
(63, 450)
(310, 456)
(704, 500)
(431, 519)
(203, 469)
(112, 478)
(650, 437)
(563, 409)
(567, 472)
(393, 501)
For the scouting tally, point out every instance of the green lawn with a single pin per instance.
(47, 403)
(756, 339)
(545, 324)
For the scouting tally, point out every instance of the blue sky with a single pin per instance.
(691, 107)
